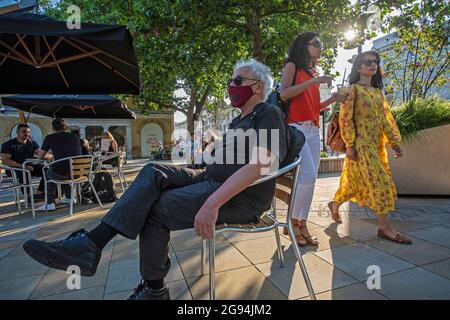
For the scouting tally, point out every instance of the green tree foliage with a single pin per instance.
(190, 46)
(419, 59)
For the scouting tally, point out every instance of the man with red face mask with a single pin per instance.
(156, 202)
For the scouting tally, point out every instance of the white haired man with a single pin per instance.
(155, 203)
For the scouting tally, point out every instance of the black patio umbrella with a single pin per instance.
(41, 55)
(71, 106)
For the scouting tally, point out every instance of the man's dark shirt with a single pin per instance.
(62, 145)
(263, 116)
(20, 151)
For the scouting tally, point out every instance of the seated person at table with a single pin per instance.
(85, 148)
(14, 152)
(63, 144)
(109, 146)
(165, 198)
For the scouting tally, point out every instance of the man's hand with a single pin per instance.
(398, 151)
(29, 168)
(205, 221)
(351, 153)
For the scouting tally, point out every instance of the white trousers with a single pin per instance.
(309, 166)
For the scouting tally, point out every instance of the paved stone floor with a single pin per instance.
(247, 265)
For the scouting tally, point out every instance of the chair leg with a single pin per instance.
(45, 196)
(280, 249)
(120, 179)
(299, 257)
(32, 202)
(203, 257)
(79, 192)
(95, 194)
(58, 187)
(212, 268)
(17, 196)
(72, 192)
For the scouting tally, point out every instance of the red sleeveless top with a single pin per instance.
(305, 106)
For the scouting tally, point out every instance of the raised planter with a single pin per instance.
(332, 164)
(424, 168)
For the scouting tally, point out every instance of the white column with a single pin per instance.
(82, 131)
(128, 141)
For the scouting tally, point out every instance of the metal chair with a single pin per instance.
(14, 184)
(80, 172)
(24, 164)
(120, 161)
(286, 185)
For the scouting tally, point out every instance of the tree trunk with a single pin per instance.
(255, 30)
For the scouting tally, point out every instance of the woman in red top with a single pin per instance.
(304, 97)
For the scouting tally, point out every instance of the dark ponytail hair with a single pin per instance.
(354, 76)
(298, 52)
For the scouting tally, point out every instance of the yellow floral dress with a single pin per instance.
(367, 123)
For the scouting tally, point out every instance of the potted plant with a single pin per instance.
(424, 124)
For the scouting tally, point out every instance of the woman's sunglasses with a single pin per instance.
(369, 62)
(316, 44)
(239, 79)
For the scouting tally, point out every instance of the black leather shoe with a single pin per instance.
(144, 292)
(77, 249)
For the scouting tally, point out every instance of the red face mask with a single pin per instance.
(239, 95)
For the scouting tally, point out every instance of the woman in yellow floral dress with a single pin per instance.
(367, 124)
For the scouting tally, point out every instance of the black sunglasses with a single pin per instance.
(316, 44)
(239, 79)
(369, 62)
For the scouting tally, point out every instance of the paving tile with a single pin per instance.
(240, 284)
(95, 293)
(20, 266)
(5, 252)
(125, 250)
(429, 252)
(439, 235)
(355, 229)
(178, 291)
(187, 240)
(328, 239)
(9, 244)
(264, 249)
(227, 258)
(55, 281)
(19, 288)
(234, 237)
(357, 291)
(355, 259)
(441, 268)
(289, 279)
(124, 275)
(415, 284)
(405, 226)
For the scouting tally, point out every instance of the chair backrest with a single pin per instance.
(80, 166)
(285, 179)
(122, 156)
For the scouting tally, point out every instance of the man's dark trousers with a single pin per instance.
(166, 198)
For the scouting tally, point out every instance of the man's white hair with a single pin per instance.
(259, 71)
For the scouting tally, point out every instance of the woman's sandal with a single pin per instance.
(311, 240)
(301, 240)
(399, 238)
(334, 215)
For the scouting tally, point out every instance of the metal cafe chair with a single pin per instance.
(286, 185)
(14, 184)
(120, 162)
(24, 164)
(80, 172)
